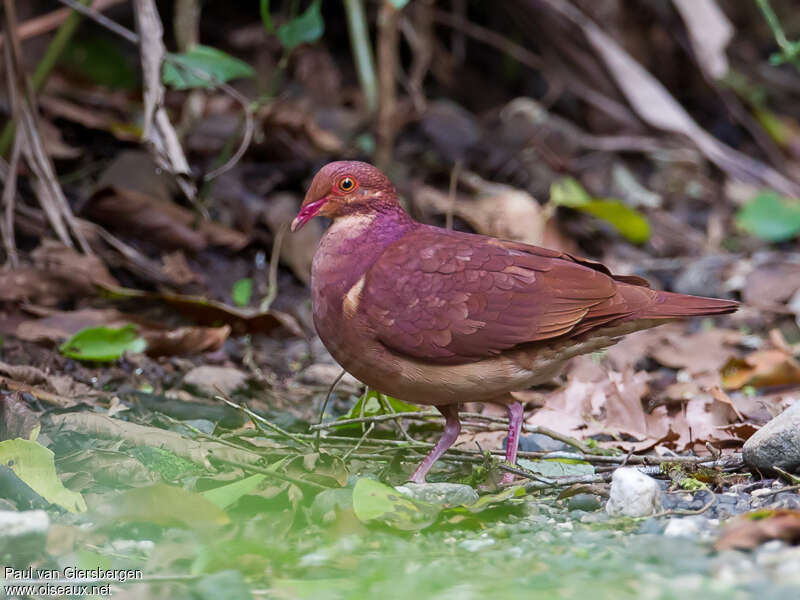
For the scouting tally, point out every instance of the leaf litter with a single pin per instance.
(250, 495)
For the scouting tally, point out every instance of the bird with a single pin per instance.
(437, 317)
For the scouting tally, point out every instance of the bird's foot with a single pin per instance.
(417, 478)
(508, 478)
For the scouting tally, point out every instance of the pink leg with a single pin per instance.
(515, 415)
(452, 427)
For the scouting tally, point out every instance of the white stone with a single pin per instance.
(15, 524)
(633, 494)
(694, 526)
(208, 378)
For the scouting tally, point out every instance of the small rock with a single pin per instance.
(585, 502)
(207, 378)
(445, 494)
(25, 531)
(538, 442)
(633, 494)
(692, 526)
(651, 527)
(776, 444)
(326, 374)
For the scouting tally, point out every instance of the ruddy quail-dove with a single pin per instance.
(439, 317)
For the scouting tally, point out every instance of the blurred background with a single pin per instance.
(154, 152)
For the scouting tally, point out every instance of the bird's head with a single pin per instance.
(343, 188)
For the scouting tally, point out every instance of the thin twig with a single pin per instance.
(362, 50)
(258, 419)
(275, 474)
(324, 406)
(360, 441)
(131, 36)
(9, 202)
(788, 488)
(387, 406)
(42, 24)
(451, 194)
(388, 41)
(99, 18)
(274, 259)
(376, 418)
(685, 512)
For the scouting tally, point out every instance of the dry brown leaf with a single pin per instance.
(702, 352)
(492, 209)
(134, 196)
(185, 340)
(762, 368)
(774, 282)
(161, 340)
(17, 420)
(702, 419)
(656, 106)
(60, 325)
(298, 118)
(212, 312)
(45, 396)
(93, 117)
(747, 531)
(710, 31)
(721, 396)
(57, 273)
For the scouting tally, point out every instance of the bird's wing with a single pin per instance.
(450, 297)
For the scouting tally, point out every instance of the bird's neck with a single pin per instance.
(353, 242)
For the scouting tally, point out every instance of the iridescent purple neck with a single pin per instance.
(353, 242)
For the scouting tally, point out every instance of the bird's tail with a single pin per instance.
(668, 305)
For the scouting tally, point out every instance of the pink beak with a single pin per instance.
(307, 213)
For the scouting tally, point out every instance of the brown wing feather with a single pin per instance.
(453, 297)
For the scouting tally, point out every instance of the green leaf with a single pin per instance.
(225, 495)
(100, 60)
(770, 217)
(33, 464)
(163, 505)
(490, 500)
(228, 584)
(374, 501)
(181, 70)
(372, 406)
(306, 28)
(568, 192)
(629, 222)
(103, 344)
(242, 291)
(557, 467)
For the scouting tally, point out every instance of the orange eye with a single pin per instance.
(347, 184)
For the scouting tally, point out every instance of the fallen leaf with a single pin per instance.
(721, 396)
(163, 505)
(492, 209)
(762, 368)
(710, 31)
(57, 273)
(749, 530)
(375, 501)
(17, 420)
(185, 340)
(34, 464)
(657, 107)
(774, 281)
(135, 197)
(103, 344)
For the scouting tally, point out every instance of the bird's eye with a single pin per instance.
(347, 184)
